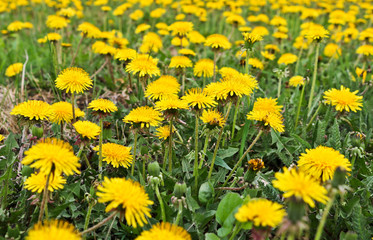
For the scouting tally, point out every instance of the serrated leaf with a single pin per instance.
(336, 136)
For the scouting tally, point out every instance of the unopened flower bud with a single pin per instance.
(154, 169)
(180, 189)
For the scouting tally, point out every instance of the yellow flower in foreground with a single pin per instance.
(33, 109)
(197, 99)
(165, 230)
(13, 69)
(116, 154)
(217, 42)
(250, 38)
(171, 103)
(287, 58)
(127, 196)
(322, 162)
(102, 105)
(162, 87)
(204, 68)
(181, 28)
(126, 54)
(52, 154)
(267, 111)
(36, 182)
(296, 81)
(87, 129)
(143, 65)
(57, 229)
(62, 112)
(144, 117)
(316, 32)
(164, 132)
(213, 118)
(74, 80)
(343, 99)
(300, 185)
(180, 62)
(261, 212)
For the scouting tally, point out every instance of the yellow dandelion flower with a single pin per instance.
(102, 106)
(1, 138)
(171, 103)
(151, 43)
(268, 55)
(165, 230)
(142, 28)
(57, 22)
(74, 80)
(162, 87)
(262, 212)
(36, 182)
(143, 65)
(15, 26)
(33, 109)
(213, 118)
(180, 62)
(62, 112)
(183, 42)
(260, 30)
(287, 58)
(204, 68)
(316, 32)
(267, 111)
(52, 154)
(143, 117)
(181, 28)
(53, 37)
(343, 99)
(89, 30)
(235, 20)
(13, 69)
(87, 129)
(332, 50)
(228, 72)
(136, 15)
(361, 73)
(196, 37)
(296, 81)
(67, 12)
(256, 164)
(127, 196)
(118, 42)
(60, 230)
(251, 38)
(278, 21)
(116, 154)
(197, 99)
(164, 132)
(157, 13)
(365, 49)
(126, 54)
(217, 42)
(322, 162)
(280, 35)
(102, 48)
(256, 63)
(300, 185)
(186, 52)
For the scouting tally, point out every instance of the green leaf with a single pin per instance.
(224, 153)
(348, 236)
(300, 140)
(335, 136)
(211, 236)
(225, 213)
(218, 161)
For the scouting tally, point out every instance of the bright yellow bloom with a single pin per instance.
(332, 50)
(162, 87)
(143, 65)
(197, 99)
(316, 32)
(171, 103)
(365, 49)
(165, 230)
(157, 13)
(213, 118)
(180, 62)
(287, 58)
(196, 37)
(87, 129)
(142, 27)
(89, 30)
(33, 109)
(164, 132)
(204, 68)
(102, 48)
(15, 26)
(62, 112)
(217, 42)
(322, 162)
(256, 63)
(13, 69)
(300, 185)
(181, 28)
(52, 154)
(228, 72)
(267, 111)
(1, 138)
(251, 38)
(151, 43)
(144, 117)
(103, 106)
(296, 81)
(36, 182)
(176, 41)
(127, 196)
(235, 20)
(116, 154)
(136, 15)
(186, 52)
(262, 212)
(343, 99)
(60, 230)
(74, 80)
(56, 22)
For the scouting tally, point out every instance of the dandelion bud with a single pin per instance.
(153, 169)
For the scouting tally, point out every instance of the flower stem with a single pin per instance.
(111, 226)
(279, 87)
(44, 201)
(134, 154)
(314, 76)
(214, 79)
(247, 66)
(99, 224)
(235, 116)
(314, 116)
(100, 150)
(179, 213)
(77, 51)
(73, 104)
(87, 217)
(170, 148)
(299, 106)
(324, 216)
(218, 142)
(242, 157)
(195, 172)
(204, 149)
(160, 202)
(61, 136)
(236, 230)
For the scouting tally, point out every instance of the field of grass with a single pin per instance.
(141, 119)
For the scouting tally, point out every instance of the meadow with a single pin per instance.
(186, 119)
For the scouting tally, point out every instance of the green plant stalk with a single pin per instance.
(143, 167)
(99, 224)
(134, 154)
(86, 161)
(179, 212)
(314, 116)
(88, 216)
(242, 157)
(279, 87)
(44, 200)
(204, 149)
(100, 149)
(170, 148)
(298, 60)
(299, 106)
(247, 66)
(160, 203)
(324, 216)
(237, 107)
(77, 50)
(218, 142)
(165, 156)
(73, 103)
(314, 76)
(204, 82)
(111, 226)
(195, 172)
(236, 230)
